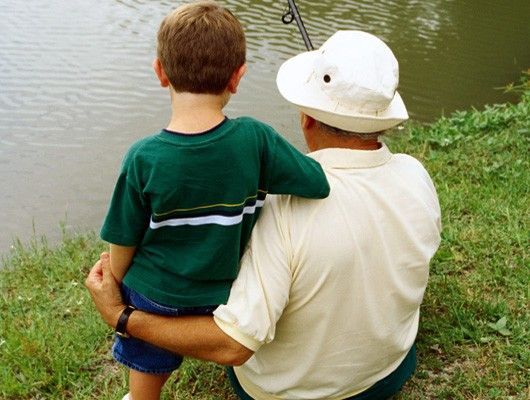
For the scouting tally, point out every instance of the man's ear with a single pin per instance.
(310, 134)
(233, 83)
(306, 121)
(160, 73)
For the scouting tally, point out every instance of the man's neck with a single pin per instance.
(195, 113)
(324, 140)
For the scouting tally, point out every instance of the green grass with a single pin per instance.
(473, 341)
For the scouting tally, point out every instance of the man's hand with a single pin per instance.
(194, 336)
(105, 291)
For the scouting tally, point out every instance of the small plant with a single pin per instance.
(500, 327)
(523, 86)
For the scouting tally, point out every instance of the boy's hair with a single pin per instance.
(200, 45)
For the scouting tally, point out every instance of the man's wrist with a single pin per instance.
(123, 319)
(111, 315)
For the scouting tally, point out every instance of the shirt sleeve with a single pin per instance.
(292, 172)
(128, 215)
(261, 291)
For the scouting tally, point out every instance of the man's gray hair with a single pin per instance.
(341, 132)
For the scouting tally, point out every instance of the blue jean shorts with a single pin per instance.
(142, 356)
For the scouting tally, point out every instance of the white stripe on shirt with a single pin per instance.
(208, 219)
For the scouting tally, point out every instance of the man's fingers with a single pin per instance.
(105, 291)
(94, 276)
(104, 259)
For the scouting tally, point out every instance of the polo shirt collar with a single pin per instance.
(348, 158)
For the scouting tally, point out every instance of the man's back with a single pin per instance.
(342, 279)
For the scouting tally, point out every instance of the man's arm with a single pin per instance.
(193, 336)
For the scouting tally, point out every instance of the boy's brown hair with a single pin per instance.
(200, 45)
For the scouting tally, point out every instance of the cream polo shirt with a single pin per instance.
(329, 291)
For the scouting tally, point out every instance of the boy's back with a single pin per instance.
(189, 202)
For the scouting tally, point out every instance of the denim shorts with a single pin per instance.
(142, 356)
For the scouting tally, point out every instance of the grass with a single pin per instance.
(473, 341)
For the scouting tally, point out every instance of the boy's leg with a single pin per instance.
(144, 386)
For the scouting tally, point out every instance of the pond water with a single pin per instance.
(76, 86)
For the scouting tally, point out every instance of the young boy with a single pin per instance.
(187, 198)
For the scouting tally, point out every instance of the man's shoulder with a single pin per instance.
(409, 162)
(283, 205)
(416, 174)
(406, 158)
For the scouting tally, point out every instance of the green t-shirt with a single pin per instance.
(189, 202)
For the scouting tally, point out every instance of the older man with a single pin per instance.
(326, 305)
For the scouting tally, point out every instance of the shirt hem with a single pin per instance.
(255, 392)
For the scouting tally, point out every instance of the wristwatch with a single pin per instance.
(121, 326)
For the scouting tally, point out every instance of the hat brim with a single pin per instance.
(295, 83)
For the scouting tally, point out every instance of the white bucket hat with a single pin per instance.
(349, 83)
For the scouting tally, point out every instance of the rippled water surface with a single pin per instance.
(76, 86)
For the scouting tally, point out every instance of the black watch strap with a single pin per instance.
(121, 326)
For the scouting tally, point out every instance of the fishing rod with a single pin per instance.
(291, 15)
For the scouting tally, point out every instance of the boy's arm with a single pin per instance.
(292, 172)
(127, 217)
(195, 336)
(120, 260)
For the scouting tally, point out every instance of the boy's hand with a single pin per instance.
(105, 291)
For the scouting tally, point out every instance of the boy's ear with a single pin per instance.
(160, 73)
(233, 83)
